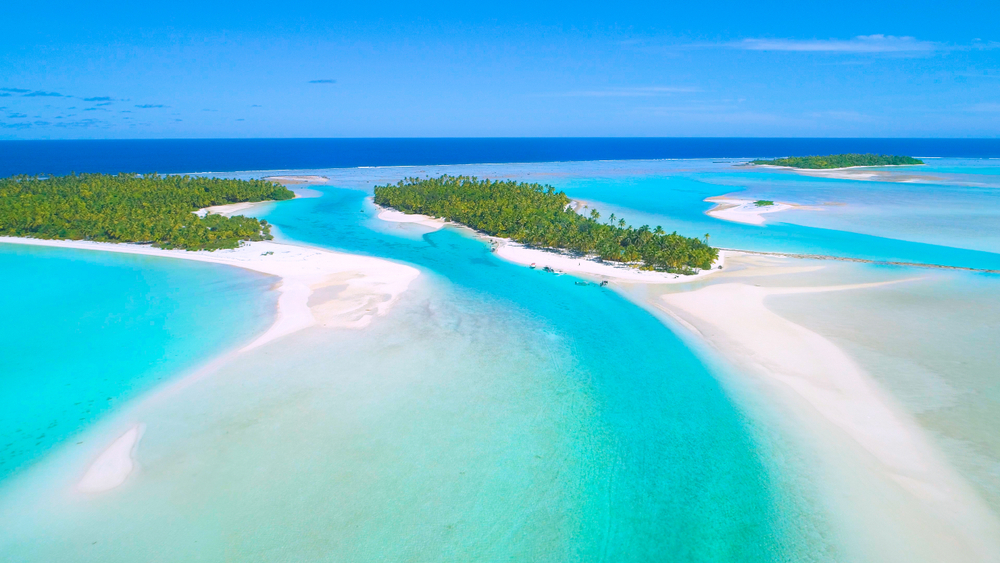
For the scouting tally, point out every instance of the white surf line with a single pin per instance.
(113, 466)
(733, 317)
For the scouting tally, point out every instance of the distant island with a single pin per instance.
(839, 161)
(149, 209)
(540, 216)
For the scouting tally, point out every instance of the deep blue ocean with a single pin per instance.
(226, 155)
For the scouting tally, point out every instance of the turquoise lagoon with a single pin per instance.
(497, 413)
(945, 219)
(85, 332)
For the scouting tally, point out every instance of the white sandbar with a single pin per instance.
(394, 216)
(114, 465)
(937, 508)
(371, 285)
(743, 210)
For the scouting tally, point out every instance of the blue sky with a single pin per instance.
(378, 69)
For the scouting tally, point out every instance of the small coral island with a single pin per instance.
(539, 216)
(149, 209)
(839, 161)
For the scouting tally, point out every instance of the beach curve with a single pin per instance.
(943, 511)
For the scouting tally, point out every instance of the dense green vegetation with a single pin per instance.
(840, 161)
(763, 202)
(131, 208)
(540, 216)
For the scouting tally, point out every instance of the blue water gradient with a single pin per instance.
(688, 477)
(941, 218)
(203, 155)
(85, 331)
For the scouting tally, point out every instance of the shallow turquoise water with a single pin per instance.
(950, 218)
(84, 332)
(497, 413)
(687, 477)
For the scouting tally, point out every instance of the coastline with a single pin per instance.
(372, 285)
(561, 262)
(831, 169)
(892, 474)
(316, 287)
(591, 267)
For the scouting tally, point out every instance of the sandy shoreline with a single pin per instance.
(592, 267)
(393, 216)
(562, 262)
(924, 497)
(316, 288)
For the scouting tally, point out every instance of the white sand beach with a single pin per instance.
(230, 209)
(113, 465)
(317, 288)
(913, 489)
(592, 267)
(562, 262)
(394, 216)
(305, 179)
(743, 210)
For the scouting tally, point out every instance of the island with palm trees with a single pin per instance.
(833, 161)
(540, 217)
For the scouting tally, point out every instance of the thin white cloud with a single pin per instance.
(985, 107)
(860, 44)
(627, 92)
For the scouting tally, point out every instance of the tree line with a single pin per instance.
(540, 216)
(840, 161)
(149, 209)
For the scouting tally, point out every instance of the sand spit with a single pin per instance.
(743, 210)
(230, 209)
(923, 498)
(352, 289)
(394, 216)
(113, 465)
(317, 287)
(285, 180)
(858, 260)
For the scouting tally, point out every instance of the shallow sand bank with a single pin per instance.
(370, 285)
(114, 465)
(394, 216)
(743, 210)
(292, 179)
(907, 503)
(317, 287)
